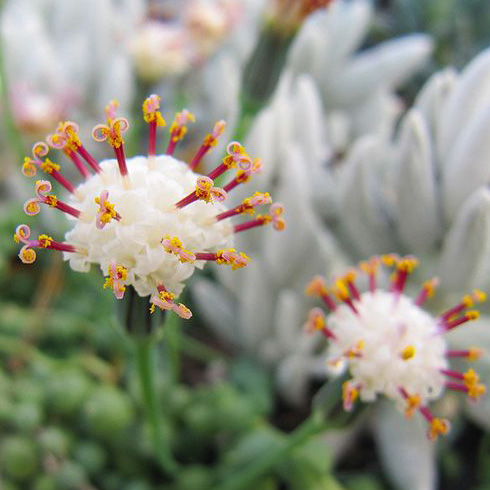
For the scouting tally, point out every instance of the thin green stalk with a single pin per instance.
(171, 331)
(243, 480)
(144, 348)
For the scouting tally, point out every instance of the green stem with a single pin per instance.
(144, 347)
(245, 479)
(171, 331)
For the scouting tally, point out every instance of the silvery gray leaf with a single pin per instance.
(406, 453)
(466, 248)
(418, 217)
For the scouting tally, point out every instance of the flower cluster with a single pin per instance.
(148, 221)
(389, 344)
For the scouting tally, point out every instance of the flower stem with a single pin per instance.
(144, 347)
(245, 479)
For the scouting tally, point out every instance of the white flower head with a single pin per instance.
(389, 345)
(147, 221)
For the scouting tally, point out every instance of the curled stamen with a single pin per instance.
(316, 321)
(174, 245)
(27, 255)
(226, 257)
(247, 205)
(154, 118)
(106, 212)
(165, 301)
(350, 393)
(205, 191)
(209, 142)
(178, 129)
(117, 275)
(243, 176)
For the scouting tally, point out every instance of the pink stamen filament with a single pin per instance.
(171, 144)
(452, 374)
(328, 333)
(452, 311)
(232, 184)
(66, 208)
(422, 296)
(426, 413)
(78, 163)
(190, 198)
(458, 353)
(372, 282)
(249, 224)
(456, 386)
(152, 141)
(121, 160)
(198, 156)
(219, 170)
(63, 181)
(89, 158)
(399, 282)
(353, 290)
(328, 300)
(206, 256)
(449, 325)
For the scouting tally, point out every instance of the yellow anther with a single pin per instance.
(151, 112)
(356, 351)
(474, 354)
(472, 314)
(72, 142)
(349, 395)
(45, 241)
(430, 286)
(51, 200)
(389, 259)
(476, 391)
(31, 208)
(122, 274)
(407, 264)
(264, 218)
(316, 287)
(178, 129)
(350, 277)
(438, 427)
(408, 352)
(413, 403)
(341, 290)
(470, 377)
(28, 167)
(371, 266)
(48, 166)
(467, 301)
(233, 258)
(479, 295)
(28, 255)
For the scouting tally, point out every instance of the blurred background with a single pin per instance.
(372, 121)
